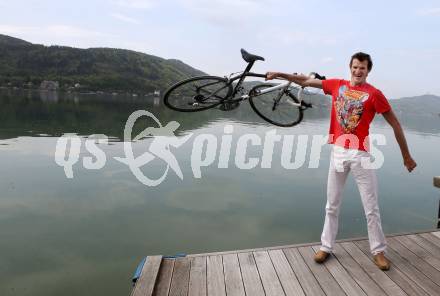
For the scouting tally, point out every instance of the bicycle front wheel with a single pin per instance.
(197, 93)
(278, 107)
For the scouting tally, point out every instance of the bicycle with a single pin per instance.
(275, 103)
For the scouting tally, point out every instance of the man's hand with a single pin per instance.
(391, 118)
(300, 79)
(409, 163)
(271, 75)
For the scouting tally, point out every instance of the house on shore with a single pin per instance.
(49, 85)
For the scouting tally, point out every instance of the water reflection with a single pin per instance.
(86, 235)
(32, 113)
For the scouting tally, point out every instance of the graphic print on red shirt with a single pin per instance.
(353, 109)
(349, 107)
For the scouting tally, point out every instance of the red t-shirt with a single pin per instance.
(353, 109)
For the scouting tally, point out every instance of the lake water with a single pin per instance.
(86, 235)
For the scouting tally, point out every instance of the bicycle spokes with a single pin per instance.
(204, 92)
(276, 101)
(280, 108)
(198, 93)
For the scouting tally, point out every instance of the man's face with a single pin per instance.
(359, 72)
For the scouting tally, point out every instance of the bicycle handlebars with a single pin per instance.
(317, 76)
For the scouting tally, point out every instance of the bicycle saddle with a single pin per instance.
(250, 58)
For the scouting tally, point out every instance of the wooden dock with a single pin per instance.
(290, 270)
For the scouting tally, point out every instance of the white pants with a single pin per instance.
(343, 161)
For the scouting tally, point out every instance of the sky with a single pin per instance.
(403, 37)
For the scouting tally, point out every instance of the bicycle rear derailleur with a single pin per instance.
(228, 106)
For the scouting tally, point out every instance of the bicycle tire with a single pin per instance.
(263, 105)
(197, 93)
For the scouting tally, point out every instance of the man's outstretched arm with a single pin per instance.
(299, 79)
(391, 118)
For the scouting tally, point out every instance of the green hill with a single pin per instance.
(420, 105)
(106, 69)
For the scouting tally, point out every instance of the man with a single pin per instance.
(354, 104)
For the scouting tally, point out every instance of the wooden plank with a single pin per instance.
(145, 284)
(347, 283)
(419, 251)
(356, 272)
(233, 280)
(432, 238)
(325, 279)
(180, 280)
(215, 277)
(285, 273)
(417, 271)
(305, 277)
(163, 281)
(298, 245)
(249, 272)
(436, 233)
(197, 277)
(416, 261)
(426, 244)
(269, 278)
(385, 282)
(415, 279)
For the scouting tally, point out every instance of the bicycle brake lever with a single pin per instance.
(317, 76)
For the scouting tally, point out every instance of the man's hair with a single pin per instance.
(362, 56)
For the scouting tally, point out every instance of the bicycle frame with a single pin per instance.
(241, 76)
(276, 103)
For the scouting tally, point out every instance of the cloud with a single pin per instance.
(12, 30)
(226, 13)
(429, 11)
(326, 60)
(138, 4)
(294, 37)
(70, 31)
(124, 18)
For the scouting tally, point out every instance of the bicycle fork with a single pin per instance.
(277, 100)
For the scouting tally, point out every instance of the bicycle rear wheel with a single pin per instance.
(276, 109)
(197, 93)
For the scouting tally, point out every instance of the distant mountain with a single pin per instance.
(419, 105)
(12, 41)
(107, 69)
(425, 105)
